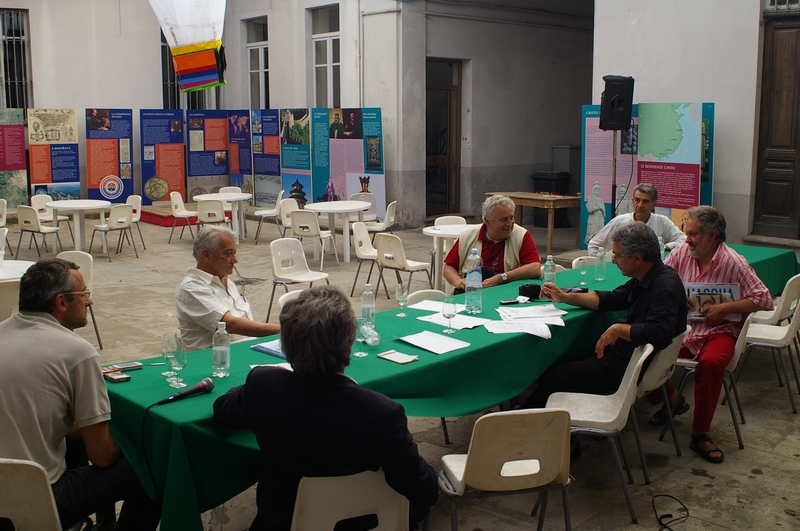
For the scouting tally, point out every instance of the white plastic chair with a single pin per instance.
(119, 219)
(589, 260)
(560, 268)
(425, 295)
(688, 365)
(371, 214)
(386, 225)
(136, 202)
(25, 496)
(288, 206)
(305, 224)
(28, 221)
(210, 211)
(364, 251)
(179, 212)
(606, 415)
(510, 452)
(659, 371)
(3, 212)
(289, 266)
(9, 298)
(391, 255)
(286, 297)
(85, 262)
(45, 213)
(322, 502)
(776, 337)
(446, 220)
(268, 213)
(780, 314)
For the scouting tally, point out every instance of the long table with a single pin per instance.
(193, 464)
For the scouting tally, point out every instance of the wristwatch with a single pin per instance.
(504, 277)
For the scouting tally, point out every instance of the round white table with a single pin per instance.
(440, 235)
(340, 207)
(78, 208)
(237, 211)
(14, 269)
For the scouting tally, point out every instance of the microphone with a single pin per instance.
(205, 386)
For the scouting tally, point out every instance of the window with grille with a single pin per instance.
(16, 72)
(258, 61)
(325, 40)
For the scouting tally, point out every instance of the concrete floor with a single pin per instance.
(753, 489)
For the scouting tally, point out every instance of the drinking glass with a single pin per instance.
(401, 294)
(178, 362)
(583, 264)
(449, 311)
(362, 330)
(169, 343)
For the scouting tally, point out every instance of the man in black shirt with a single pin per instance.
(656, 303)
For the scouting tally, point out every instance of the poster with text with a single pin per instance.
(207, 152)
(163, 154)
(322, 127)
(109, 168)
(13, 166)
(669, 145)
(267, 184)
(240, 150)
(53, 152)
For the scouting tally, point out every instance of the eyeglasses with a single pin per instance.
(615, 256)
(85, 293)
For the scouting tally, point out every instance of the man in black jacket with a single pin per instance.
(315, 421)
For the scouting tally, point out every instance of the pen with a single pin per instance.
(158, 363)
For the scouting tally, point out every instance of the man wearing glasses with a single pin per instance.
(655, 301)
(52, 389)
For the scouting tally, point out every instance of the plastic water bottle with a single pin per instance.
(474, 284)
(550, 270)
(368, 306)
(661, 247)
(221, 361)
(600, 266)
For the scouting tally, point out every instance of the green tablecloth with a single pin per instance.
(197, 465)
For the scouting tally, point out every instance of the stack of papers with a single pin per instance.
(435, 306)
(528, 319)
(459, 322)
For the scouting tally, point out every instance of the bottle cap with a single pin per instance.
(221, 325)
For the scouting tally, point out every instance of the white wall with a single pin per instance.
(690, 50)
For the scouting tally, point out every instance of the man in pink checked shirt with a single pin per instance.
(704, 258)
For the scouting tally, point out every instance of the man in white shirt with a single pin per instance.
(644, 200)
(206, 296)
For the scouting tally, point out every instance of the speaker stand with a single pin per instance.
(614, 176)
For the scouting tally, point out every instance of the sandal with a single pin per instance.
(706, 451)
(659, 418)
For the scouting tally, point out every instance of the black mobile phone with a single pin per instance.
(509, 301)
(575, 289)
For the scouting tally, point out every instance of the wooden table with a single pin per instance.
(550, 202)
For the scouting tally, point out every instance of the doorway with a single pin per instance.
(442, 137)
(777, 201)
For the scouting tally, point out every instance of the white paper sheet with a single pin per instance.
(397, 357)
(529, 312)
(435, 306)
(528, 327)
(459, 322)
(436, 343)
